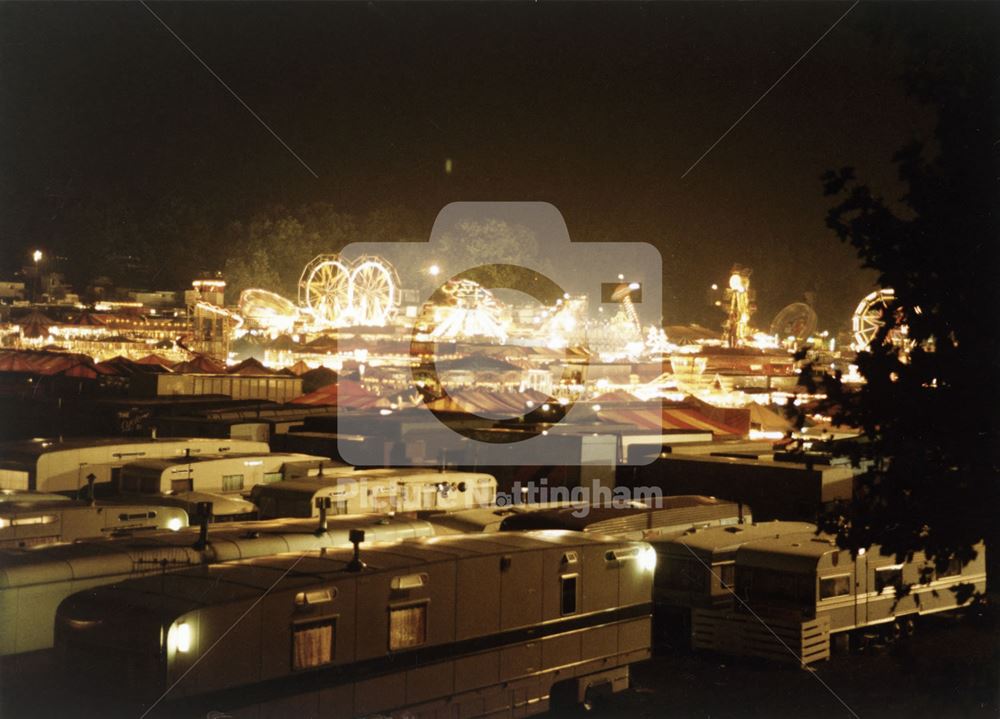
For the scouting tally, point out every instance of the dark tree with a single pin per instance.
(928, 407)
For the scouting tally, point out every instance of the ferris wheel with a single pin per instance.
(325, 288)
(373, 291)
(868, 319)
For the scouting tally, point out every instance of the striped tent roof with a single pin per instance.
(668, 418)
(346, 393)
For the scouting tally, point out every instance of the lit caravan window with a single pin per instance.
(270, 477)
(312, 644)
(407, 626)
(834, 586)
(232, 482)
(888, 577)
(567, 602)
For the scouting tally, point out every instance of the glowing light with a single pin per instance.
(621, 276)
(36, 255)
(765, 434)
(633, 286)
(647, 559)
(434, 270)
(715, 286)
(182, 637)
(596, 408)
(385, 412)
(174, 524)
(736, 282)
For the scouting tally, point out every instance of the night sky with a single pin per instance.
(598, 109)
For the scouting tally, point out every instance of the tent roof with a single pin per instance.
(346, 393)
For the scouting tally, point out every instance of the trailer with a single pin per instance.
(796, 593)
(662, 516)
(697, 570)
(33, 582)
(29, 524)
(232, 473)
(351, 491)
(478, 625)
(64, 465)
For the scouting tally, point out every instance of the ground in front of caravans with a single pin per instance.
(949, 668)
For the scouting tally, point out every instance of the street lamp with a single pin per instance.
(37, 257)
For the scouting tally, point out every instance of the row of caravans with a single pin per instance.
(64, 465)
(501, 623)
(33, 583)
(468, 625)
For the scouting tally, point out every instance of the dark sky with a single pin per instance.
(598, 109)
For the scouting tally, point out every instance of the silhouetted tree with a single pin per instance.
(929, 409)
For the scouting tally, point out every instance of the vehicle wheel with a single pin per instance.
(892, 632)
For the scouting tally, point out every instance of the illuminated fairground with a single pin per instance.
(357, 317)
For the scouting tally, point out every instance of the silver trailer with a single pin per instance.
(232, 473)
(474, 625)
(33, 582)
(28, 524)
(796, 592)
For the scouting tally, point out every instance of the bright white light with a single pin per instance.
(546, 407)
(633, 285)
(182, 637)
(647, 559)
(596, 408)
(174, 524)
(621, 276)
(385, 412)
(736, 282)
(36, 255)
(434, 270)
(715, 286)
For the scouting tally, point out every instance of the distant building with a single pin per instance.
(11, 290)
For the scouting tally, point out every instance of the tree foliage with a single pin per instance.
(929, 409)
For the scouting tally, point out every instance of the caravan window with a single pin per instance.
(312, 644)
(684, 575)
(568, 595)
(176, 485)
(727, 574)
(776, 585)
(888, 577)
(407, 626)
(953, 568)
(834, 586)
(232, 482)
